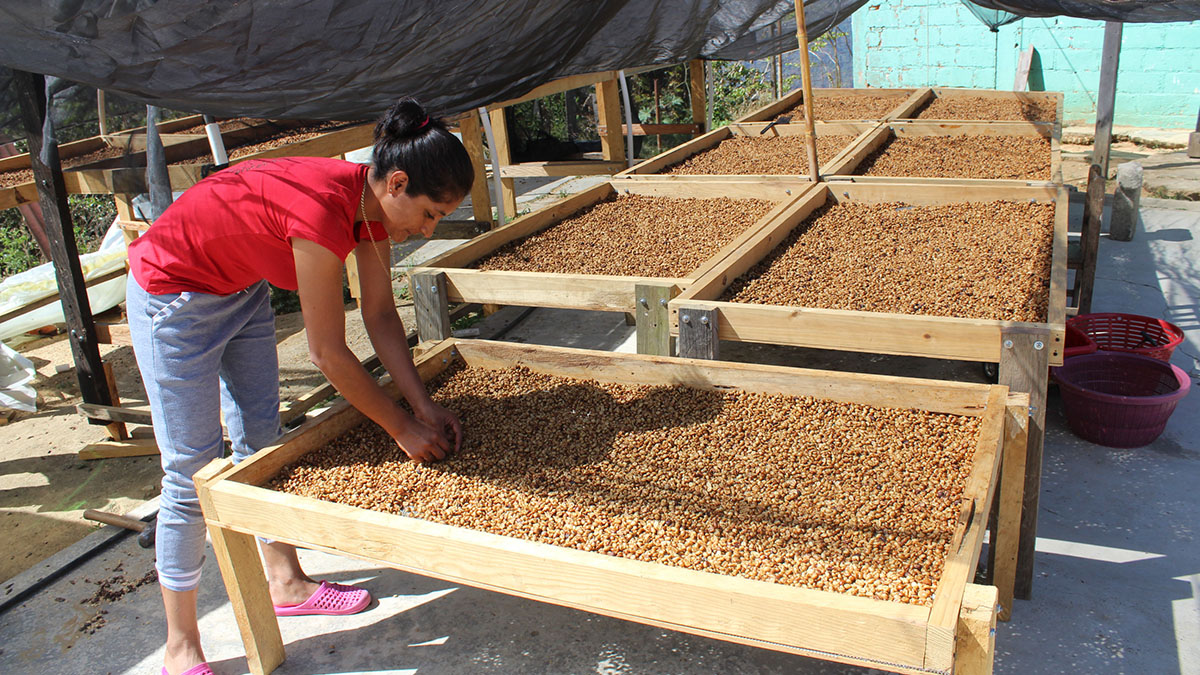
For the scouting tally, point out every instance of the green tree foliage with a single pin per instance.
(91, 216)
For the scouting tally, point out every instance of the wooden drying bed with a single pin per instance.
(449, 279)
(954, 634)
(836, 104)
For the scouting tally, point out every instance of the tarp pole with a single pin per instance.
(1106, 95)
(491, 139)
(215, 142)
(101, 112)
(32, 92)
(628, 118)
(814, 172)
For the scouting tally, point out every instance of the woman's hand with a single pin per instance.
(421, 442)
(442, 420)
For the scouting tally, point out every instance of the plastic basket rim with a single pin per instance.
(1182, 378)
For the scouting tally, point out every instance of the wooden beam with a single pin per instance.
(1106, 95)
(1025, 367)
(134, 447)
(432, 308)
(472, 137)
(653, 318)
(1007, 536)
(48, 175)
(658, 129)
(698, 95)
(502, 154)
(1093, 212)
(698, 333)
(976, 640)
(608, 104)
(112, 413)
(581, 167)
(814, 173)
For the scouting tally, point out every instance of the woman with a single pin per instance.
(204, 333)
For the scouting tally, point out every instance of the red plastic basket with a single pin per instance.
(1119, 400)
(1130, 333)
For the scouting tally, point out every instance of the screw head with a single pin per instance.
(662, 302)
(704, 320)
(687, 318)
(1039, 345)
(433, 288)
(1008, 344)
(644, 303)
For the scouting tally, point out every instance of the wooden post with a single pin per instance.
(1025, 367)
(472, 138)
(245, 582)
(975, 638)
(1006, 537)
(431, 306)
(1089, 240)
(502, 154)
(653, 319)
(352, 276)
(698, 333)
(810, 139)
(608, 106)
(698, 95)
(1106, 95)
(116, 430)
(52, 192)
(101, 112)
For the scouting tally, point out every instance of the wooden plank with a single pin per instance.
(967, 542)
(922, 128)
(1025, 368)
(1056, 313)
(328, 144)
(134, 447)
(696, 94)
(471, 131)
(775, 108)
(653, 319)
(432, 309)
(1110, 59)
(502, 156)
(608, 105)
(955, 398)
(699, 330)
(671, 597)
(296, 408)
(544, 289)
(660, 129)
(1093, 212)
(1012, 490)
(113, 334)
(562, 168)
(849, 159)
(558, 86)
(245, 583)
(976, 639)
(116, 428)
(114, 413)
(911, 105)
(677, 154)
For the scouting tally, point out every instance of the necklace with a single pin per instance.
(362, 206)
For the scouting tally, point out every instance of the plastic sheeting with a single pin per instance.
(349, 59)
(992, 18)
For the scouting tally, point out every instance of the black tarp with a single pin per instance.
(348, 59)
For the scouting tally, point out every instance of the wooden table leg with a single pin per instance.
(1008, 519)
(245, 582)
(1025, 367)
(975, 648)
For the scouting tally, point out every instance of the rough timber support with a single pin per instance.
(1025, 367)
(653, 318)
(698, 333)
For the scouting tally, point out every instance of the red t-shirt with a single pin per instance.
(232, 229)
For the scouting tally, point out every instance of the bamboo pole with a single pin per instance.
(806, 83)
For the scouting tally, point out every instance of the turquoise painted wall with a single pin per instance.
(901, 43)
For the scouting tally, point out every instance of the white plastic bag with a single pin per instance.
(16, 372)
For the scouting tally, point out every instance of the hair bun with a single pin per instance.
(406, 117)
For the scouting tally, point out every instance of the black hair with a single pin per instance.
(408, 139)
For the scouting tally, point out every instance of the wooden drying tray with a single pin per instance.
(645, 296)
(898, 637)
(923, 96)
(795, 97)
(127, 175)
(845, 165)
(27, 192)
(877, 332)
(652, 167)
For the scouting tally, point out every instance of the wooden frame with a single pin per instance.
(846, 165)
(585, 291)
(796, 96)
(898, 637)
(923, 96)
(651, 167)
(1023, 350)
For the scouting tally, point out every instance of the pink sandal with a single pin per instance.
(330, 599)
(201, 669)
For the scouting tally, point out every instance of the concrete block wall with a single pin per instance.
(905, 43)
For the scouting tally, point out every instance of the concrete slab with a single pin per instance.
(1172, 175)
(1149, 137)
(1118, 562)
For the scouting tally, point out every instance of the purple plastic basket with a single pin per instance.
(1119, 400)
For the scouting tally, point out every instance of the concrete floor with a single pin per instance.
(1117, 587)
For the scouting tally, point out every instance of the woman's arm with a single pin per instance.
(387, 334)
(319, 276)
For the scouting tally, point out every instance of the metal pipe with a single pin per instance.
(491, 139)
(215, 142)
(628, 118)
